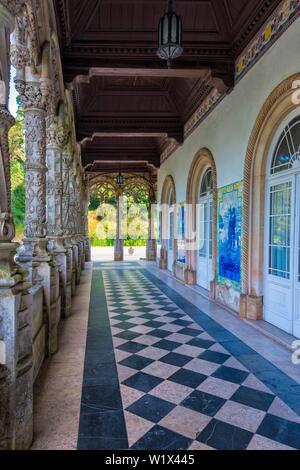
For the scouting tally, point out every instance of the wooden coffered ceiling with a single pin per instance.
(128, 105)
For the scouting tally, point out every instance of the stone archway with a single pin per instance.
(277, 106)
(168, 191)
(202, 160)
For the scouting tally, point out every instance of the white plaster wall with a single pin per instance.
(226, 131)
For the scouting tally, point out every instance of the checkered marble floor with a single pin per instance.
(181, 389)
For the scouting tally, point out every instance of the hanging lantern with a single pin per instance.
(120, 179)
(170, 36)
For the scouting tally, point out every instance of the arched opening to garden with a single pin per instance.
(121, 217)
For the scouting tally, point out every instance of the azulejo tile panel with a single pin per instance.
(230, 209)
(287, 12)
(179, 388)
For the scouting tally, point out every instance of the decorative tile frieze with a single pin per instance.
(287, 12)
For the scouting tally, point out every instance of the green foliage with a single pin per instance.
(17, 169)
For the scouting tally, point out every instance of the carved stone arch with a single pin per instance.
(277, 106)
(201, 162)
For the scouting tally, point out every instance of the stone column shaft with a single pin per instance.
(119, 242)
(34, 254)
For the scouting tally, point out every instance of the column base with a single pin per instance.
(87, 249)
(16, 365)
(151, 250)
(163, 261)
(119, 250)
(190, 277)
(251, 307)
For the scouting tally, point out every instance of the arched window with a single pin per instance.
(206, 183)
(288, 148)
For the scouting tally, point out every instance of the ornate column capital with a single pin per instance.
(57, 136)
(31, 95)
(37, 95)
(19, 56)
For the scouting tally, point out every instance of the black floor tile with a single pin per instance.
(142, 382)
(223, 436)
(132, 347)
(175, 359)
(108, 424)
(190, 332)
(201, 343)
(280, 430)
(253, 398)
(151, 408)
(130, 335)
(182, 323)
(136, 362)
(213, 356)
(159, 438)
(100, 398)
(153, 324)
(188, 378)
(102, 443)
(125, 325)
(204, 403)
(167, 345)
(231, 375)
(123, 318)
(161, 333)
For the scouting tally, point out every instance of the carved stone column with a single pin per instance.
(151, 250)
(73, 226)
(119, 242)
(56, 140)
(87, 245)
(79, 220)
(16, 369)
(67, 157)
(34, 253)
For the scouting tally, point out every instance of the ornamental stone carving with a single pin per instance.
(31, 95)
(19, 56)
(56, 135)
(35, 136)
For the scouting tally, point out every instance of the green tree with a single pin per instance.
(17, 168)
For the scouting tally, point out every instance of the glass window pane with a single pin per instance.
(287, 147)
(202, 230)
(280, 223)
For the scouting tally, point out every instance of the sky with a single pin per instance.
(13, 106)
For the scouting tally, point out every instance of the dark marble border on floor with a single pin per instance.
(110, 264)
(287, 389)
(102, 423)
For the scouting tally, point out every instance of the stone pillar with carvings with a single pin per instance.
(73, 225)
(34, 253)
(79, 219)
(86, 199)
(16, 368)
(56, 140)
(67, 157)
(151, 249)
(119, 242)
